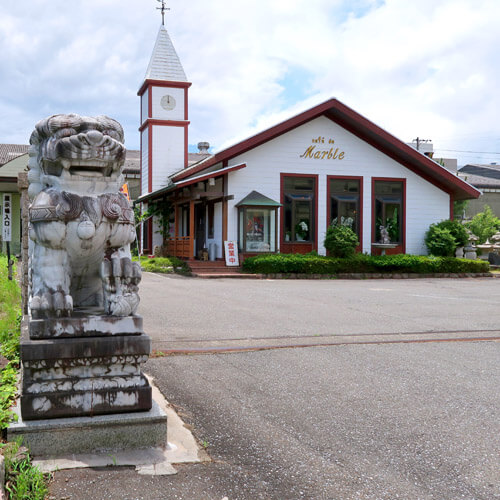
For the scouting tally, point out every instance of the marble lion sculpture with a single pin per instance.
(81, 226)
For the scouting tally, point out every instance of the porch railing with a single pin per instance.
(179, 246)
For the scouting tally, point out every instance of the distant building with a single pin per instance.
(14, 159)
(486, 178)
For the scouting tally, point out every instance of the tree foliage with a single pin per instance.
(484, 224)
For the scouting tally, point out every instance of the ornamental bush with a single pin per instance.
(443, 238)
(457, 230)
(341, 241)
(439, 241)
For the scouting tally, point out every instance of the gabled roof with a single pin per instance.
(10, 151)
(482, 176)
(257, 199)
(165, 63)
(491, 170)
(362, 128)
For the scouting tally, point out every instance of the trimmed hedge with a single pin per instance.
(360, 263)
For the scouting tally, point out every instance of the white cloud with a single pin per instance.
(425, 68)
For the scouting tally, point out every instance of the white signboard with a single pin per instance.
(231, 252)
(7, 217)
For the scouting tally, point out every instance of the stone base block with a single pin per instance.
(73, 377)
(67, 436)
(89, 402)
(85, 323)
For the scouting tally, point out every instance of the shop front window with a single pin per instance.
(388, 210)
(299, 209)
(257, 229)
(345, 203)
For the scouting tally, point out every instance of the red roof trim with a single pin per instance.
(365, 130)
(162, 83)
(217, 173)
(171, 123)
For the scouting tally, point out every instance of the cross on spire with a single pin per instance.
(163, 9)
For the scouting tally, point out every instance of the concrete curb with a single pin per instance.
(367, 276)
(180, 447)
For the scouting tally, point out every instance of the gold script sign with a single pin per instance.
(316, 151)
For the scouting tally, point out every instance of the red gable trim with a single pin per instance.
(162, 83)
(215, 174)
(171, 123)
(365, 130)
(170, 189)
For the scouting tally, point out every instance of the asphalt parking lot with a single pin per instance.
(346, 420)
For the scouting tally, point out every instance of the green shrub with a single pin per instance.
(443, 238)
(360, 263)
(484, 224)
(457, 230)
(439, 241)
(340, 241)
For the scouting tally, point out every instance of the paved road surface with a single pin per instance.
(184, 312)
(381, 421)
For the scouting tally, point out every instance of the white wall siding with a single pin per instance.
(168, 153)
(159, 113)
(425, 203)
(144, 106)
(144, 161)
(157, 236)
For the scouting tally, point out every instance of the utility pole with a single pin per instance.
(418, 141)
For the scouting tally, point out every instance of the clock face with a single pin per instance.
(167, 102)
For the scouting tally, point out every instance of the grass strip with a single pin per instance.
(22, 479)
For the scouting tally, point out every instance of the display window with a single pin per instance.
(388, 218)
(257, 224)
(345, 202)
(299, 196)
(257, 229)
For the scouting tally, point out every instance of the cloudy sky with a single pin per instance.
(427, 69)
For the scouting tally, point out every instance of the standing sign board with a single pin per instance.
(7, 217)
(231, 252)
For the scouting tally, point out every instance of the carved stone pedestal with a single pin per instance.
(83, 366)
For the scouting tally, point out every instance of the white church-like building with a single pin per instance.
(279, 190)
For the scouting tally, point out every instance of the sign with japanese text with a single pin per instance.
(231, 252)
(7, 217)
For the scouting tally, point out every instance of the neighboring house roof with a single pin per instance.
(362, 128)
(165, 63)
(11, 162)
(10, 151)
(197, 157)
(481, 175)
(132, 163)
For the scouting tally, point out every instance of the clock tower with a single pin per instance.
(164, 116)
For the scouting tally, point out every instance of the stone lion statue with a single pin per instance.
(81, 226)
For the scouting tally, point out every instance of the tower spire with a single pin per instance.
(162, 9)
